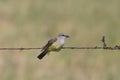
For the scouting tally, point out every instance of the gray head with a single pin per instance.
(63, 35)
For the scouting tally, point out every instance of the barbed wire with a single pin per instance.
(104, 47)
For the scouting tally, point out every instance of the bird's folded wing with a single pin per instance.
(50, 42)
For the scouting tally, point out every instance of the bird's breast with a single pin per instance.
(56, 46)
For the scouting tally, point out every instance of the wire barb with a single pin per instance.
(104, 42)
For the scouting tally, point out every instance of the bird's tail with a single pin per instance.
(40, 56)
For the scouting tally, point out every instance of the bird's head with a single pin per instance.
(61, 35)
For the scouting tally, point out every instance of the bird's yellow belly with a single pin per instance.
(55, 47)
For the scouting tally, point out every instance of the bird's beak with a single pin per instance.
(67, 36)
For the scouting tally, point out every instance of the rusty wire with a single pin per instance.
(104, 47)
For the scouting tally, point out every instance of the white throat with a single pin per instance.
(61, 40)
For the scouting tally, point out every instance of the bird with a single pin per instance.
(54, 44)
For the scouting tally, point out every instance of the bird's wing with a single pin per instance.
(50, 42)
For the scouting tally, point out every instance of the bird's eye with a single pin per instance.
(63, 35)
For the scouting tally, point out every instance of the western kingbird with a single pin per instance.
(54, 44)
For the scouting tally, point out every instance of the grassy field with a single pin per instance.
(31, 23)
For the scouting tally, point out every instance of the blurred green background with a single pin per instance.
(31, 23)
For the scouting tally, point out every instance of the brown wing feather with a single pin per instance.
(49, 44)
